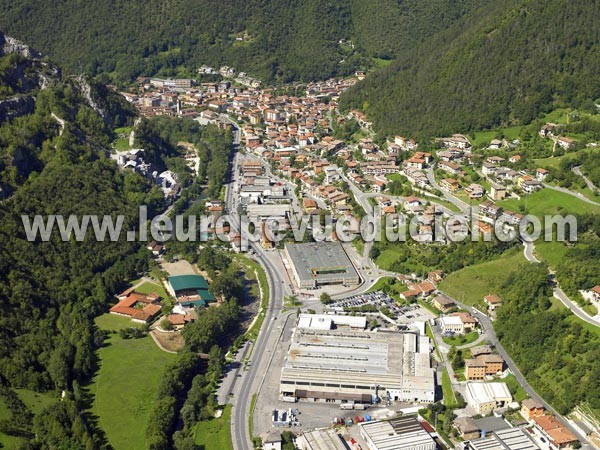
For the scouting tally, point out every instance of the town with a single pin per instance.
(363, 368)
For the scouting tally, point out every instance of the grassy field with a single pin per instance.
(515, 387)
(148, 288)
(462, 340)
(395, 286)
(471, 284)
(485, 137)
(549, 201)
(215, 434)
(449, 397)
(550, 252)
(125, 385)
(35, 401)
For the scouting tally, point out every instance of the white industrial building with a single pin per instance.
(326, 439)
(350, 365)
(510, 438)
(330, 321)
(403, 433)
(485, 397)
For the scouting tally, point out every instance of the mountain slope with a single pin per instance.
(52, 161)
(276, 40)
(502, 64)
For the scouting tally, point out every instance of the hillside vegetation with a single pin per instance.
(275, 40)
(503, 64)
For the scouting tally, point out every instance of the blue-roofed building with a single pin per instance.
(190, 290)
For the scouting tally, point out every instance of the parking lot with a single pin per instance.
(375, 301)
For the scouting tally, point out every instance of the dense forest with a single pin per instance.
(54, 160)
(559, 356)
(274, 40)
(505, 63)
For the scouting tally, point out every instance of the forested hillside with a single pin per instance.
(505, 63)
(275, 40)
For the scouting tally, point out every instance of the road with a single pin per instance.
(592, 187)
(241, 404)
(486, 323)
(578, 195)
(464, 207)
(558, 292)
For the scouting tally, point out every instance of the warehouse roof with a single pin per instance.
(397, 434)
(322, 261)
(185, 282)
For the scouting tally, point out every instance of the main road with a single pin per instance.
(486, 324)
(241, 405)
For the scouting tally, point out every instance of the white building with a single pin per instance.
(328, 321)
(485, 397)
(326, 439)
(338, 366)
(451, 323)
(403, 433)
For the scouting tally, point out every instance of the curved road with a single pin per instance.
(486, 324)
(558, 292)
(592, 187)
(578, 195)
(464, 207)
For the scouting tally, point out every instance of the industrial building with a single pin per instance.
(330, 321)
(347, 365)
(190, 290)
(316, 264)
(326, 439)
(403, 433)
(485, 397)
(508, 439)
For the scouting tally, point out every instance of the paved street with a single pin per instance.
(486, 323)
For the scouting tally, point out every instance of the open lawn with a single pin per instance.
(112, 322)
(549, 201)
(462, 339)
(471, 284)
(515, 387)
(550, 252)
(125, 385)
(449, 397)
(485, 137)
(215, 434)
(35, 401)
(390, 285)
(147, 288)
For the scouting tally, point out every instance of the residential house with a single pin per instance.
(498, 192)
(482, 366)
(450, 167)
(493, 302)
(475, 191)
(272, 440)
(566, 142)
(443, 303)
(467, 429)
(548, 130)
(450, 184)
(550, 428)
(531, 408)
(541, 174)
(489, 210)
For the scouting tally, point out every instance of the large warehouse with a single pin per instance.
(190, 290)
(316, 264)
(403, 433)
(348, 365)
